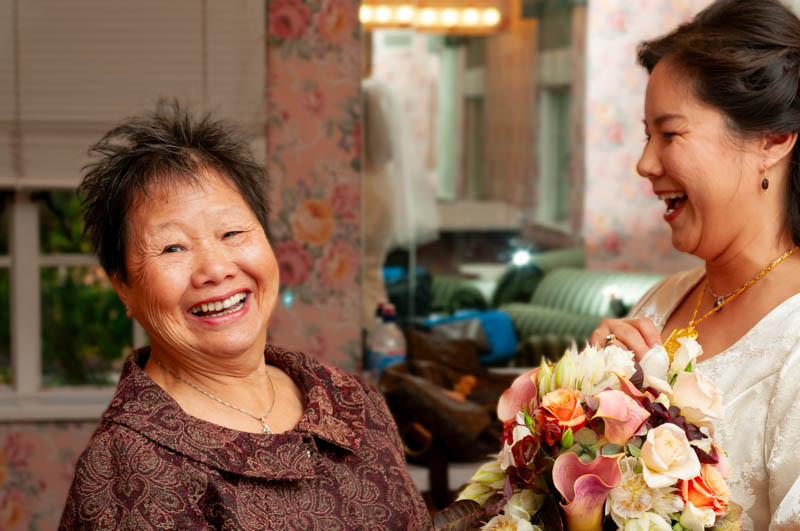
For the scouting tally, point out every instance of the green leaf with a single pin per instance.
(634, 450)
(611, 449)
(566, 438)
(732, 520)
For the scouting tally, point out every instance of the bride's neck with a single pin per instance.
(736, 265)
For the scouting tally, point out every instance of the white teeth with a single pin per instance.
(671, 195)
(230, 305)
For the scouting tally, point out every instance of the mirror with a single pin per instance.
(489, 134)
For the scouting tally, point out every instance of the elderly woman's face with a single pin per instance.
(202, 278)
(707, 179)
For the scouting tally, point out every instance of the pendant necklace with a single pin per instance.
(672, 344)
(262, 419)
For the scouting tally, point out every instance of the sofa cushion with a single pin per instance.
(531, 319)
(579, 291)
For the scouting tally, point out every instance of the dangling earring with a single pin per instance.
(764, 181)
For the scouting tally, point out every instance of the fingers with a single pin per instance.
(637, 335)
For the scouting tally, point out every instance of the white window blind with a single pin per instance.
(70, 70)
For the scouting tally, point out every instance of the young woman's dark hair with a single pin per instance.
(166, 144)
(743, 58)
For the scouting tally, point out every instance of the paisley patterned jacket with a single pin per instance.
(149, 465)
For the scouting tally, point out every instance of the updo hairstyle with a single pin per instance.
(743, 58)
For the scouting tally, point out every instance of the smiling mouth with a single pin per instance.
(673, 200)
(234, 303)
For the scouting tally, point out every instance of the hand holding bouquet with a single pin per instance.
(601, 441)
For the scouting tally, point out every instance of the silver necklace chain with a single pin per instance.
(262, 419)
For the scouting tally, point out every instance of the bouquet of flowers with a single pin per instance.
(600, 441)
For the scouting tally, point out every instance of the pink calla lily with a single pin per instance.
(621, 414)
(585, 487)
(629, 389)
(521, 393)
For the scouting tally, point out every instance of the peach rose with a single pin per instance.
(707, 491)
(564, 406)
(313, 222)
(698, 398)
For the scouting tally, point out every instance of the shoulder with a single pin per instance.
(111, 460)
(661, 298)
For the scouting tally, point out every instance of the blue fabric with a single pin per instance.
(496, 325)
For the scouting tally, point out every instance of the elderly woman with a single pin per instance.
(722, 115)
(210, 427)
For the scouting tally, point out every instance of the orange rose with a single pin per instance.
(565, 409)
(707, 491)
(312, 221)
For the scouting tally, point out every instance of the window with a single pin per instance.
(62, 349)
(63, 333)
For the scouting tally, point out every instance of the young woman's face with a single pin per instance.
(706, 176)
(202, 278)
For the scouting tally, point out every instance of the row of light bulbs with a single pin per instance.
(380, 15)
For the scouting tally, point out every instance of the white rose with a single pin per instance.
(524, 504)
(503, 522)
(519, 432)
(696, 519)
(687, 353)
(647, 522)
(666, 457)
(698, 398)
(655, 363)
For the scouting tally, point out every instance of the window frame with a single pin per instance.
(25, 399)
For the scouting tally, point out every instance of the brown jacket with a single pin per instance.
(150, 465)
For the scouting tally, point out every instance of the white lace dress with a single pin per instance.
(760, 428)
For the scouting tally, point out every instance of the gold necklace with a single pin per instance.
(672, 344)
(262, 419)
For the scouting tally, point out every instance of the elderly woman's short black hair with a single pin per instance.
(159, 148)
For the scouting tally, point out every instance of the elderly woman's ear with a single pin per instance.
(122, 292)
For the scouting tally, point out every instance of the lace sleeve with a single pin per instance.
(782, 446)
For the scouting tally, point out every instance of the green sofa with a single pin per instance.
(552, 301)
(568, 305)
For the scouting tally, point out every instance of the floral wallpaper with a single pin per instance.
(622, 219)
(37, 461)
(314, 150)
(314, 161)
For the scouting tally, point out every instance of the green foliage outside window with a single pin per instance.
(85, 332)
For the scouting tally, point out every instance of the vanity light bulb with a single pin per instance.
(383, 14)
(405, 14)
(428, 16)
(365, 14)
(450, 17)
(470, 16)
(521, 258)
(491, 16)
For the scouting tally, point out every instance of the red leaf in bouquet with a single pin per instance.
(525, 450)
(463, 515)
(549, 429)
(585, 487)
(623, 416)
(522, 393)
